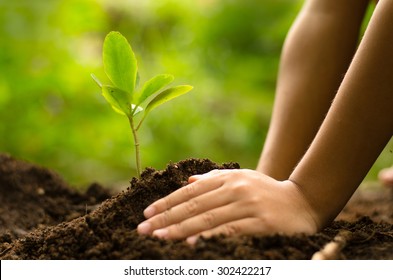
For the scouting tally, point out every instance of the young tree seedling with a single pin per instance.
(123, 95)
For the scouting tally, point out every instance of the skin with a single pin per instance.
(310, 74)
(317, 151)
(385, 176)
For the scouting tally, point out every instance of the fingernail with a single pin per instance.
(160, 233)
(144, 228)
(194, 178)
(192, 239)
(149, 212)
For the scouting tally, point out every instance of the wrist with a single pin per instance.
(312, 212)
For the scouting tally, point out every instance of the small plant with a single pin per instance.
(124, 96)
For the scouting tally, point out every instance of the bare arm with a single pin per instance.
(358, 125)
(316, 54)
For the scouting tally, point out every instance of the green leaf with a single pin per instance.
(167, 95)
(138, 78)
(152, 86)
(119, 111)
(96, 80)
(118, 99)
(119, 62)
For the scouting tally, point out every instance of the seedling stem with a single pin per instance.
(121, 68)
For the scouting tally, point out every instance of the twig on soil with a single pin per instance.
(368, 238)
(332, 250)
(386, 234)
(86, 208)
(19, 231)
(5, 251)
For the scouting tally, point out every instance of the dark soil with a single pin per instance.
(41, 217)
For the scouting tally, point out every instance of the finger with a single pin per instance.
(195, 206)
(196, 177)
(183, 194)
(385, 176)
(244, 226)
(204, 221)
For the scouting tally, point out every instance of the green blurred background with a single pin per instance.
(53, 114)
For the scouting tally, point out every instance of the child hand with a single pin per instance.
(229, 202)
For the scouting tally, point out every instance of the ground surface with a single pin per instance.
(41, 217)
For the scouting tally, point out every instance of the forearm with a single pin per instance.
(357, 127)
(315, 57)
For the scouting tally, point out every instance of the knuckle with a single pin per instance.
(166, 217)
(179, 230)
(254, 201)
(209, 219)
(270, 226)
(191, 207)
(167, 203)
(231, 229)
(189, 191)
(240, 189)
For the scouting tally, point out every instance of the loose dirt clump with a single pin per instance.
(41, 217)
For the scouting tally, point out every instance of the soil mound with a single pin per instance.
(41, 217)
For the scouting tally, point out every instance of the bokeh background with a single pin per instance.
(53, 114)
